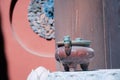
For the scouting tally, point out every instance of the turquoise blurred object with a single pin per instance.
(77, 42)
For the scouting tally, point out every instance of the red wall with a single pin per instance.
(20, 61)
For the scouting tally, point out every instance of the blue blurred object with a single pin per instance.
(48, 8)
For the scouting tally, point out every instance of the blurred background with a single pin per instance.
(95, 20)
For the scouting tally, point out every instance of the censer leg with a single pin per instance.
(84, 67)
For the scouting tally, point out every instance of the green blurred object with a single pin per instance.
(67, 39)
(76, 42)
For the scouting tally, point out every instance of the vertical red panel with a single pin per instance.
(82, 18)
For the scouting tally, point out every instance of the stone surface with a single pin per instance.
(109, 74)
(105, 74)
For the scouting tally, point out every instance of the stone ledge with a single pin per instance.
(42, 73)
(105, 74)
